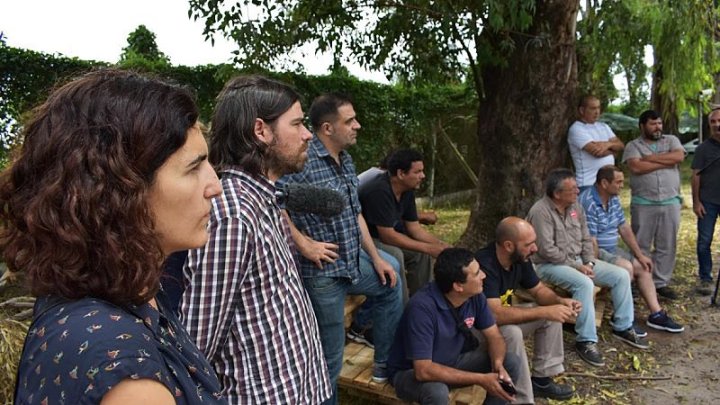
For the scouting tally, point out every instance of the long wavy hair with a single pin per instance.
(74, 209)
(232, 133)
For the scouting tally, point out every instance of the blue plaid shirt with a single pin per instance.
(343, 230)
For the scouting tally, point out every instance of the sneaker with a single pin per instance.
(552, 390)
(662, 321)
(380, 373)
(630, 337)
(667, 293)
(589, 352)
(362, 336)
(638, 330)
(704, 287)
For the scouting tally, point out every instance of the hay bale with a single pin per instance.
(12, 336)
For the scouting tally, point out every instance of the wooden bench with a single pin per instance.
(356, 374)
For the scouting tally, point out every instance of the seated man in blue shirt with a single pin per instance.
(605, 221)
(434, 347)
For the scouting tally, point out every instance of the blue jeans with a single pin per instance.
(327, 295)
(407, 387)
(581, 287)
(705, 228)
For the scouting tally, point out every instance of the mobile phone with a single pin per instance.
(508, 387)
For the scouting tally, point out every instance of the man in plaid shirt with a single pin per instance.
(338, 256)
(245, 305)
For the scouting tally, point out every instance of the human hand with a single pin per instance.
(645, 262)
(586, 270)
(491, 384)
(385, 272)
(560, 313)
(318, 252)
(699, 209)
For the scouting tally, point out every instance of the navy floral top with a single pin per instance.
(76, 351)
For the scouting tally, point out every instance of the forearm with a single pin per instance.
(426, 370)
(695, 186)
(615, 145)
(639, 167)
(545, 296)
(496, 350)
(508, 315)
(403, 241)
(628, 236)
(667, 159)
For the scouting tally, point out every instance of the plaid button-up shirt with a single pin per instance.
(245, 305)
(343, 230)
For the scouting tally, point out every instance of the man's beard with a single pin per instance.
(516, 257)
(282, 165)
(654, 136)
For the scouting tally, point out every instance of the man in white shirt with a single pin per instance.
(592, 143)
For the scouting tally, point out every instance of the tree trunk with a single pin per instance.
(522, 124)
(664, 104)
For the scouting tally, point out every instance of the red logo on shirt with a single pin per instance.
(573, 214)
(470, 321)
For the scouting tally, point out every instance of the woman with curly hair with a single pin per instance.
(112, 177)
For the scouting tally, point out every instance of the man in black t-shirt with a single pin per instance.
(507, 265)
(388, 205)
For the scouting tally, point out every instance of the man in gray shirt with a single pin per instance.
(653, 160)
(566, 258)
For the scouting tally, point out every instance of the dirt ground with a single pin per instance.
(678, 368)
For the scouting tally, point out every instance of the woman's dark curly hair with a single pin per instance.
(74, 201)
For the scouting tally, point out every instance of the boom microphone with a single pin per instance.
(309, 199)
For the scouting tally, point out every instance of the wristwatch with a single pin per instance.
(590, 263)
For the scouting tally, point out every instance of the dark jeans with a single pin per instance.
(705, 228)
(436, 393)
(327, 295)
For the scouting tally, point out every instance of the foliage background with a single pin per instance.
(391, 115)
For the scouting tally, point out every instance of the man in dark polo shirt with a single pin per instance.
(706, 199)
(507, 265)
(434, 347)
(388, 205)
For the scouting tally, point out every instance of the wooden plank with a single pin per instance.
(472, 395)
(356, 364)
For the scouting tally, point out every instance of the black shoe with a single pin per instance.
(662, 321)
(638, 330)
(362, 336)
(552, 391)
(667, 293)
(630, 337)
(589, 352)
(704, 287)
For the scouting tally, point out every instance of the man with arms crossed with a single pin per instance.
(507, 265)
(245, 305)
(434, 347)
(338, 254)
(706, 198)
(592, 143)
(566, 258)
(388, 204)
(653, 160)
(606, 220)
